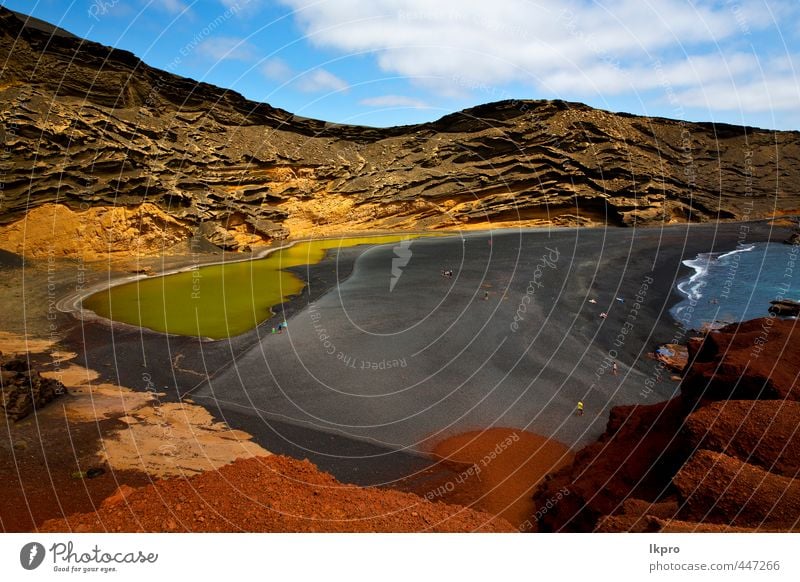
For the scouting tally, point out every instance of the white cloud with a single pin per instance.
(223, 48)
(320, 80)
(313, 81)
(752, 96)
(171, 6)
(394, 101)
(571, 46)
(613, 77)
(276, 69)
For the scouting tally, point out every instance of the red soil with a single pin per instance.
(496, 471)
(40, 464)
(272, 494)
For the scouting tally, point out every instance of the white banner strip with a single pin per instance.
(400, 557)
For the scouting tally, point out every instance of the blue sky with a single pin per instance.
(387, 62)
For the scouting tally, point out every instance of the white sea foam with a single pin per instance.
(740, 249)
(692, 287)
(739, 284)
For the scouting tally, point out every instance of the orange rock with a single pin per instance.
(122, 492)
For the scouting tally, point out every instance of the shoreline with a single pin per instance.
(98, 347)
(70, 303)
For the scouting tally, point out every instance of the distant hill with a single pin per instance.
(87, 124)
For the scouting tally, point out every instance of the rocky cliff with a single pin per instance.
(722, 456)
(85, 126)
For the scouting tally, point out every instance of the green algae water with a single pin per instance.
(218, 301)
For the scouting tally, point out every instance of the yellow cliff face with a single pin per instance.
(54, 230)
(129, 232)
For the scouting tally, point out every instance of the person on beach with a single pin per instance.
(579, 410)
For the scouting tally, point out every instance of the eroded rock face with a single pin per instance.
(703, 461)
(110, 131)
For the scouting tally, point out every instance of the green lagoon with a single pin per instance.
(218, 301)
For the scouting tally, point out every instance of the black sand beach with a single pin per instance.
(365, 378)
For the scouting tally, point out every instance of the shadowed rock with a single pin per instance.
(635, 458)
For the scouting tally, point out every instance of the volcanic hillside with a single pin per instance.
(87, 124)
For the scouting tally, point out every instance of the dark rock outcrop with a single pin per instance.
(23, 390)
(109, 130)
(785, 307)
(794, 239)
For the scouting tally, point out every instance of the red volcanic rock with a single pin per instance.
(765, 433)
(678, 526)
(637, 516)
(716, 488)
(754, 360)
(626, 481)
(272, 494)
(636, 457)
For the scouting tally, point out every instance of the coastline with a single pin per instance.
(350, 460)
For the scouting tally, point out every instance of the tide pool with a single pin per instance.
(738, 285)
(218, 301)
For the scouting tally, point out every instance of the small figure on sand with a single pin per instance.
(579, 409)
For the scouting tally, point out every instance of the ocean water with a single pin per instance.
(737, 285)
